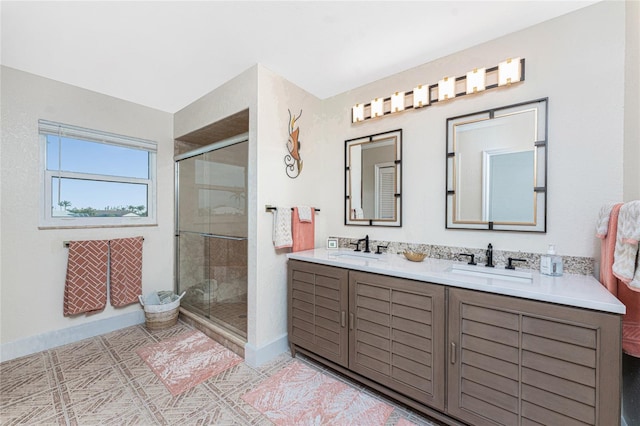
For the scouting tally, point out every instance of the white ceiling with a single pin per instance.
(166, 54)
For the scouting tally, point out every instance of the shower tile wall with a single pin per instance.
(228, 266)
(192, 265)
(228, 283)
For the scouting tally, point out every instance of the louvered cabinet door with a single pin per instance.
(520, 362)
(397, 335)
(317, 310)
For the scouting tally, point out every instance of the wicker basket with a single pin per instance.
(159, 317)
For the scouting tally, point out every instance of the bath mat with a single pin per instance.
(187, 360)
(405, 422)
(299, 395)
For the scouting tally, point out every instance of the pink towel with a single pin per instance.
(630, 298)
(126, 271)
(303, 232)
(85, 288)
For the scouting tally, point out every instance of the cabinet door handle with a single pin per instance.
(452, 353)
(351, 321)
(343, 319)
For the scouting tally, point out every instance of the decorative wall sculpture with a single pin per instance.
(293, 160)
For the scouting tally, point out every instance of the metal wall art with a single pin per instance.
(293, 160)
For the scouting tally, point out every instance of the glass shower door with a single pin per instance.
(211, 233)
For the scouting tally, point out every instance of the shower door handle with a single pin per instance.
(224, 237)
(207, 235)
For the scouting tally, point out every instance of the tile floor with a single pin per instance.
(103, 381)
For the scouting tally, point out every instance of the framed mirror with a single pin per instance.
(496, 169)
(373, 180)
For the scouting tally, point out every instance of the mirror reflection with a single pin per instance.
(496, 169)
(372, 165)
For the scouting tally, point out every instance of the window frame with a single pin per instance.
(47, 220)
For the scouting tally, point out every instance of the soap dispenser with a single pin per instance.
(551, 263)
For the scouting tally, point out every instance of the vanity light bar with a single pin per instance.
(505, 73)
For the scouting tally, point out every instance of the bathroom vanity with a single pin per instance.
(460, 344)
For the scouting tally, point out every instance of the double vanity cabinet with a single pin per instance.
(443, 345)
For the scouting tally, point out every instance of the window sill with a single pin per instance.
(133, 225)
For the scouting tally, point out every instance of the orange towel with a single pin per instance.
(630, 298)
(303, 232)
(126, 271)
(85, 288)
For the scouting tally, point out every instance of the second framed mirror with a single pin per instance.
(373, 180)
(496, 169)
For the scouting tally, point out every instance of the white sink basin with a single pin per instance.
(355, 255)
(498, 273)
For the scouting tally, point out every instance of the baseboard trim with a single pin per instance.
(52, 339)
(255, 357)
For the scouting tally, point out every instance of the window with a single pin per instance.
(92, 178)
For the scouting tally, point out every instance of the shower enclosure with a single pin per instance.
(211, 232)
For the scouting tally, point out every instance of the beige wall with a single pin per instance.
(276, 97)
(570, 60)
(34, 261)
(632, 103)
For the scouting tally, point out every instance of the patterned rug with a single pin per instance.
(299, 395)
(187, 360)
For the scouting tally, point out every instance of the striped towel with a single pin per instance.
(282, 236)
(305, 213)
(625, 264)
(624, 292)
(602, 225)
(85, 288)
(126, 271)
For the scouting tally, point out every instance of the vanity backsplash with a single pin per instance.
(572, 264)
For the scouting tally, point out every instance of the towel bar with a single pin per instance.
(269, 208)
(65, 244)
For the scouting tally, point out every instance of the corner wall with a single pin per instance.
(268, 97)
(34, 261)
(276, 96)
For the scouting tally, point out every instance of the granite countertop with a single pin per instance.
(582, 291)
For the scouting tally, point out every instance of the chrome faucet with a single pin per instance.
(489, 256)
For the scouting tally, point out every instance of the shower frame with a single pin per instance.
(244, 137)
